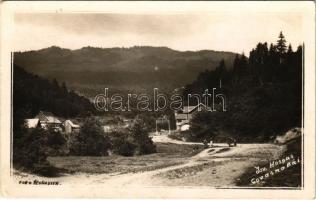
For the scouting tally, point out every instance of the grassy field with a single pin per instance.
(174, 165)
(168, 154)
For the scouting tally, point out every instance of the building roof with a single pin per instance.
(72, 124)
(50, 117)
(31, 123)
(190, 109)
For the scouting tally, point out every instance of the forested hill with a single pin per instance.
(122, 68)
(264, 94)
(32, 93)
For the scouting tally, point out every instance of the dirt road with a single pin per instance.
(218, 166)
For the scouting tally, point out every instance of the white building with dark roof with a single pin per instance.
(48, 120)
(184, 116)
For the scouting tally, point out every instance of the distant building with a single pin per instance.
(48, 120)
(116, 124)
(70, 127)
(184, 116)
(108, 128)
(32, 123)
(127, 123)
(183, 125)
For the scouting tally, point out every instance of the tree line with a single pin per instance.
(264, 94)
(32, 93)
(31, 147)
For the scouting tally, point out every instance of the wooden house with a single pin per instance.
(184, 116)
(70, 127)
(48, 120)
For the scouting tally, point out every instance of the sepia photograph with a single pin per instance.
(186, 95)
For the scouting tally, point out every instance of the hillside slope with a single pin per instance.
(132, 68)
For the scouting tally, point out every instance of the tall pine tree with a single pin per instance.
(281, 44)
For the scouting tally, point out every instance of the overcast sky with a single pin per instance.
(238, 32)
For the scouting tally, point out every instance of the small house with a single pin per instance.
(32, 123)
(109, 128)
(48, 120)
(184, 116)
(70, 127)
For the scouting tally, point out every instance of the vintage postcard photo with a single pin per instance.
(158, 99)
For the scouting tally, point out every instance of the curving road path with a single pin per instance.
(218, 166)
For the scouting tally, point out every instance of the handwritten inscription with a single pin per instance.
(275, 167)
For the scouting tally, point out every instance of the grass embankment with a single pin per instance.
(167, 155)
(290, 177)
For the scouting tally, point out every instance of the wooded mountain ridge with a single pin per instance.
(90, 68)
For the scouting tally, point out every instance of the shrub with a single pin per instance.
(126, 149)
(186, 135)
(122, 143)
(90, 141)
(203, 126)
(30, 149)
(139, 133)
(33, 148)
(133, 141)
(45, 169)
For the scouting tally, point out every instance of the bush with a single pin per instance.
(30, 149)
(33, 148)
(45, 169)
(126, 149)
(134, 141)
(90, 141)
(186, 136)
(139, 133)
(122, 143)
(203, 126)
